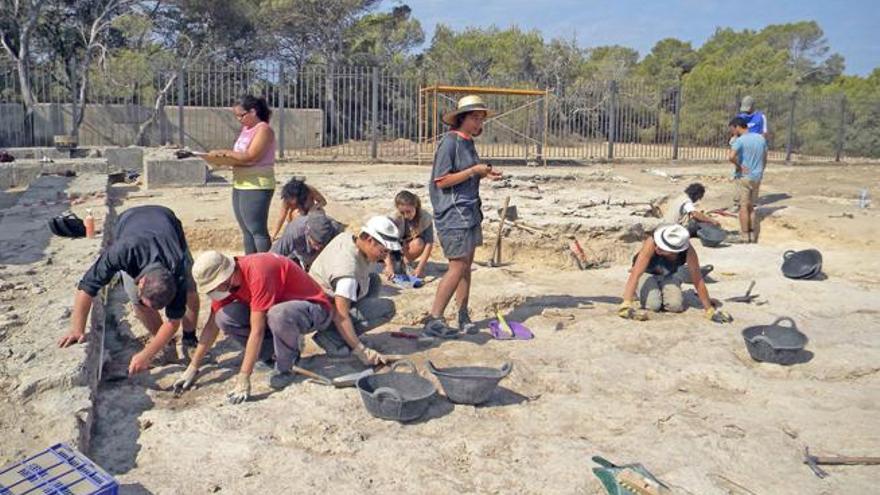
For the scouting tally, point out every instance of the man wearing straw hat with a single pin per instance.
(455, 197)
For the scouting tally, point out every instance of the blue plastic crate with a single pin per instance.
(58, 470)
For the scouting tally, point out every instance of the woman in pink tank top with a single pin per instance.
(253, 175)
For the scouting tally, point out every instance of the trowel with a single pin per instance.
(350, 379)
(748, 298)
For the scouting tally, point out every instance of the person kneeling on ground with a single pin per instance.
(265, 302)
(150, 251)
(305, 237)
(683, 211)
(416, 229)
(653, 270)
(344, 269)
(297, 200)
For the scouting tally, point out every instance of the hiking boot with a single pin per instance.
(332, 343)
(437, 328)
(465, 324)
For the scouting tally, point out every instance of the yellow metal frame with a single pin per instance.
(429, 124)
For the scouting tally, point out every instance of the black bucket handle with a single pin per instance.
(788, 254)
(506, 368)
(792, 325)
(381, 392)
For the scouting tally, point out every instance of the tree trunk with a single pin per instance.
(28, 101)
(158, 106)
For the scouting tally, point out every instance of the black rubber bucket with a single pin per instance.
(802, 264)
(470, 384)
(711, 236)
(397, 396)
(775, 343)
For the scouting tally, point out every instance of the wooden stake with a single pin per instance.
(496, 253)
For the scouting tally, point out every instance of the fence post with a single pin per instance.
(841, 131)
(542, 127)
(790, 140)
(612, 119)
(374, 114)
(676, 119)
(282, 107)
(180, 133)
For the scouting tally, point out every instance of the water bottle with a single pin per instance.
(864, 199)
(90, 224)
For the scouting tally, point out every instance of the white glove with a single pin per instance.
(241, 391)
(368, 356)
(187, 378)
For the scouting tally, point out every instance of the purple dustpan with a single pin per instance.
(520, 332)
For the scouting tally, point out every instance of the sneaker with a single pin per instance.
(333, 345)
(465, 324)
(437, 328)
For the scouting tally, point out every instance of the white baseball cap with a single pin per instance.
(672, 238)
(383, 230)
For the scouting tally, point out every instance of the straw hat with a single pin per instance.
(469, 103)
(672, 238)
(212, 269)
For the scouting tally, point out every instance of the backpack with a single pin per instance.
(67, 225)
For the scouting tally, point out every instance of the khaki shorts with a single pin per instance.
(747, 192)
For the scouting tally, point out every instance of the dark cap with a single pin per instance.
(320, 227)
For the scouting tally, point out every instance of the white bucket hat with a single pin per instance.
(469, 103)
(383, 230)
(672, 238)
(211, 269)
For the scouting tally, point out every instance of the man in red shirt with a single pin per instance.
(261, 294)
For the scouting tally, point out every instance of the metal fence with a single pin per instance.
(363, 113)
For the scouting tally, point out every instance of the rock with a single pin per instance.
(214, 488)
(37, 290)
(30, 271)
(65, 314)
(4, 285)
(145, 424)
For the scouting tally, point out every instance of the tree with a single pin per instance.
(384, 39)
(18, 21)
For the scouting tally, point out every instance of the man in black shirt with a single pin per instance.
(150, 251)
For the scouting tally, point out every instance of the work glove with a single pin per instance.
(368, 356)
(718, 316)
(187, 378)
(629, 311)
(242, 390)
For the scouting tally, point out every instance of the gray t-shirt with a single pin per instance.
(293, 243)
(456, 207)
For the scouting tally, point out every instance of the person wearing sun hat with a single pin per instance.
(257, 299)
(653, 273)
(345, 271)
(454, 190)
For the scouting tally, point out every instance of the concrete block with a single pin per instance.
(180, 173)
(125, 158)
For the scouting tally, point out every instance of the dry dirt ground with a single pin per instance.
(676, 393)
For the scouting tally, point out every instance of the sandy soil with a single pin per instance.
(677, 393)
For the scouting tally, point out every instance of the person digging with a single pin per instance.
(455, 198)
(265, 302)
(344, 270)
(150, 252)
(653, 274)
(416, 229)
(305, 237)
(683, 211)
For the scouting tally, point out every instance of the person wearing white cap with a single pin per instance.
(257, 299)
(344, 269)
(653, 271)
(455, 198)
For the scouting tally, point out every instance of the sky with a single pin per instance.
(852, 27)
